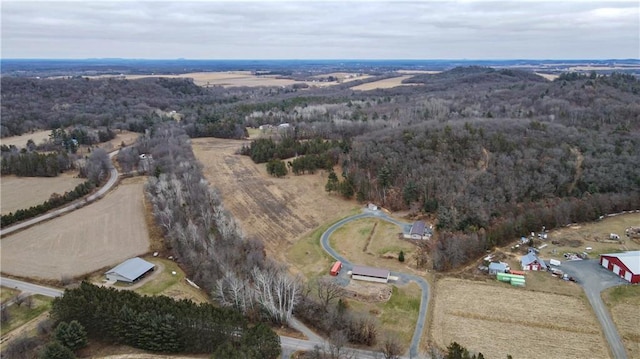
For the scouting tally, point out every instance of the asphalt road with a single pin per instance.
(30, 288)
(402, 277)
(594, 279)
(113, 178)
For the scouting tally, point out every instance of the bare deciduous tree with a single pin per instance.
(391, 347)
(328, 290)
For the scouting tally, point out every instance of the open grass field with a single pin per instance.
(382, 244)
(21, 141)
(99, 235)
(170, 285)
(588, 232)
(7, 293)
(24, 192)
(225, 79)
(384, 84)
(497, 320)
(19, 315)
(398, 315)
(624, 305)
(277, 211)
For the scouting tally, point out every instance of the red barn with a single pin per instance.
(625, 264)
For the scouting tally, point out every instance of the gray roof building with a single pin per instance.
(130, 270)
(532, 258)
(418, 228)
(370, 272)
(497, 267)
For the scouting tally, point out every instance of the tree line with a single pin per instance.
(162, 324)
(53, 202)
(206, 239)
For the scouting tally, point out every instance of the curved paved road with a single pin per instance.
(113, 178)
(403, 277)
(594, 279)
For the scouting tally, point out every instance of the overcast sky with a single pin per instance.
(321, 30)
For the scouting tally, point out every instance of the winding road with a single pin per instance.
(403, 277)
(113, 179)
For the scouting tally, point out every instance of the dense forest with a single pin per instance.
(162, 324)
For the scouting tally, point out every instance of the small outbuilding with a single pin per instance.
(498, 267)
(625, 264)
(130, 270)
(370, 274)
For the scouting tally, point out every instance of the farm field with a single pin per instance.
(384, 84)
(97, 236)
(624, 305)
(24, 192)
(278, 211)
(577, 237)
(351, 240)
(498, 320)
(21, 141)
(225, 79)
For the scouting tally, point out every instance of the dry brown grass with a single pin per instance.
(24, 192)
(588, 232)
(21, 141)
(99, 235)
(383, 248)
(384, 84)
(497, 320)
(225, 79)
(624, 304)
(277, 211)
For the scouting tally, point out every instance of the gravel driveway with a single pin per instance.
(594, 279)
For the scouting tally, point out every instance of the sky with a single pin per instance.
(517, 29)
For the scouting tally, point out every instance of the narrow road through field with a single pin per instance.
(594, 279)
(403, 277)
(113, 178)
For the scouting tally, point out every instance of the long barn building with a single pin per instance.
(625, 264)
(370, 274)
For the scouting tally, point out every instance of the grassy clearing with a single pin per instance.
(21, 314)
(306, 256)
(166, 283)
(7, 293)
(624, 304)
(398, 315)
(383, 248)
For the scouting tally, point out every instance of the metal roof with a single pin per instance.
(498, 266)
(532, 257)
(132, 268)
(370, 272)
(630, 259)
(418, 228)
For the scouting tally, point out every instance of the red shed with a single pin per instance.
(625, 264)
(335, 269)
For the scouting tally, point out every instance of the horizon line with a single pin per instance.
(319, 59)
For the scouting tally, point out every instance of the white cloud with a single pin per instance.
(309, 29)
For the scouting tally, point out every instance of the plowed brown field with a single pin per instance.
(276, 210)
(99, 235)
(24, 192)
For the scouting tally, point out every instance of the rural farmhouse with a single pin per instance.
(419, 230)
(130, 270)
(370, 274)
(532, 262)
(626, 265)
